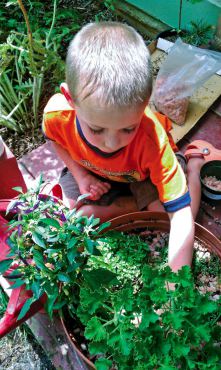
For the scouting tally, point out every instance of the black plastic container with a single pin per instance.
(212, 168)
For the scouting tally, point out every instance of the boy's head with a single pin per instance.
(110, 60)
(109, 81)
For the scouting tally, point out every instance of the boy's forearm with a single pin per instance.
(181, 238)
(76, 169)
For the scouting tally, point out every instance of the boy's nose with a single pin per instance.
(112, 142)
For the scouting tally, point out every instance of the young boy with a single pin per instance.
(114, 147)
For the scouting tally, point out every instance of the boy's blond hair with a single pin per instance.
(110, 60)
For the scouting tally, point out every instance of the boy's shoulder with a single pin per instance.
(156, 119)
(157, 126)
(57, 103)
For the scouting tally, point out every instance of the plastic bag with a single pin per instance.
(183, 71)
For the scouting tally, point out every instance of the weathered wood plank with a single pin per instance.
(52, 338)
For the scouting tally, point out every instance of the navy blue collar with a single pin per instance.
(94, 148)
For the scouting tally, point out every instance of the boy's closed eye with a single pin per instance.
(101, 130)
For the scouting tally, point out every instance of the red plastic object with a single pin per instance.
(11, 175)
(201, 148)
(16, 301)
(18, 296)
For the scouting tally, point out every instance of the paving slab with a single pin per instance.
(42, 160)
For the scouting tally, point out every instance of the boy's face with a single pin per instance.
(108, 128)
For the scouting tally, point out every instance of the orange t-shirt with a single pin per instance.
(151, 153)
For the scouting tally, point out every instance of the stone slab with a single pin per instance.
(42, 160)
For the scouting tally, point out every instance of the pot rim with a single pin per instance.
(155, 219)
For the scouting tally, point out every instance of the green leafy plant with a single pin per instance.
(199, 33)
(115, 284)
(109, 6)
(47, 240)
(25, 61)
(145, 325)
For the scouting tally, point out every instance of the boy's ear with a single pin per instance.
(65, 91)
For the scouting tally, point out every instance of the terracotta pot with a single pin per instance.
(152, 221)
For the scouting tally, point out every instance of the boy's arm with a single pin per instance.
(86, 181)
(181, 238)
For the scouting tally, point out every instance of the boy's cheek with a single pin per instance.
(93, 139)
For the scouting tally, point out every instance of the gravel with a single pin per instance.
(20, 351)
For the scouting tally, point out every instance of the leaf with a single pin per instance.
(18, 189)
(75, 229)
(12, 2)
(124, 299)
(72, 243)
(83, 196)
(25, 308)
(184, 277)
(99, 277)
(89, 244)
(37, 239)
(204, 332)
(39, 260)
(12, 204)
(175, 318)
(95, 222)
(51, 222)
(4, 265)
(71, 255)
(103, 364)
(39, 182)
(91, 301)
(53, 239)
(59, 305)
(97, 347)
(180, 350)
(37, 289)
(94, 330)
(147, 318)
(64, 278)
(17, 284)
(122, 340)
(103, 226)
(50, 303)
(206, 306)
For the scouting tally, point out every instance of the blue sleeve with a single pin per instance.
(179, 203)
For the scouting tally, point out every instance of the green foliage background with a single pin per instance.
(34, 37)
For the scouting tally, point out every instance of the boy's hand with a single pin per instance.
(90, 184)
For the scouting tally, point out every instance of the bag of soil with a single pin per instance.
(184, 70)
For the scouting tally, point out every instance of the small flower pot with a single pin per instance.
(212, 168)
(152, 221)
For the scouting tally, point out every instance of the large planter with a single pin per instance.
(152, 221)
